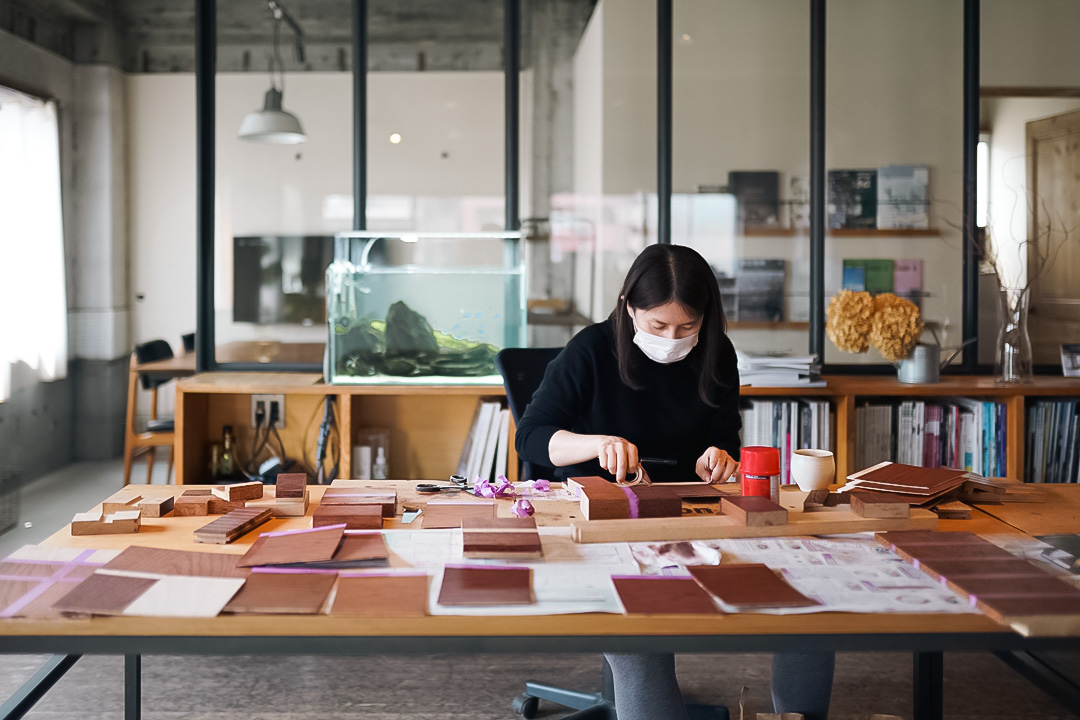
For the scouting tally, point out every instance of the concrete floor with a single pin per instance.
(481, 687)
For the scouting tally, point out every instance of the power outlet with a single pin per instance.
(269, 403)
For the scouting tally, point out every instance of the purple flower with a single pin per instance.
(522, 508)
(542, 485)
(482, 488)
(504, 488)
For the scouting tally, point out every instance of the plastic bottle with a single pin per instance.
(378, 468)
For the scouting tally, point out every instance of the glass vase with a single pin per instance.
(1012, 363)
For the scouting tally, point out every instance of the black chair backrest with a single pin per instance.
(149, 352)
(189, 342)
(522, 370)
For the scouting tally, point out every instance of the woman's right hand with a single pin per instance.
(618, 456)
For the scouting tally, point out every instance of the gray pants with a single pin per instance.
(646, 687)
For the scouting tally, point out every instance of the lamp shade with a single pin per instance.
(272, 124)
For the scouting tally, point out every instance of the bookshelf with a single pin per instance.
(428, 423)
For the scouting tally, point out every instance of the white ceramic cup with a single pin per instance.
(812, 469)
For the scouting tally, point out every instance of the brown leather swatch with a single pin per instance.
(103, 594)
(177, 562)
(377, 595)
(316, 545)
(468, 585)
(298, 593)
(749, 585)
(655, 595)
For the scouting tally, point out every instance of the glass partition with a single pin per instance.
(740, 164)
(894, 160)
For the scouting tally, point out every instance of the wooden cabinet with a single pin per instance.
(428, 423)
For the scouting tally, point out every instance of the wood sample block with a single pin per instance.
(160, 561)
(484, 585)
(354, 517)
(102, 594)
(239, 492)
(652, 501)
(386, 499)
(754, 511)
(500, 538)
(381, 595)
(879, 505)
(157, 507)
(291, 485)
(110, 507)
(697, 491)
(954, 510)
(196, 492)
(217, 506)
(294, 546)
(98, 523)
(440, 514)
(295, 592)
(661, 595)
(189, 505)
(233, 525)
(914, 538)
(600, 499)
(749, 585)
(282, 507)
(1005, 609)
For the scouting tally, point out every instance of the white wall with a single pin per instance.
(1029, 43)
(304, 188)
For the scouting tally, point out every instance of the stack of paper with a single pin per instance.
(779, 371)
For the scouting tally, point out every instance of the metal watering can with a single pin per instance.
(924, 365)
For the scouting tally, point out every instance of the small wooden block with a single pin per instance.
(754, 511)
(232, 526)
(655, 501)
(157, 507)
(954, 510)
(188, 505)
(361, 496)
(600, 499)
(119, 506)
(239, 492)
(355, 517)
(500, 538)
(99, 523)
(879, 505)
(291, 485)
(196, 492)
(282, 507)
(217, 506)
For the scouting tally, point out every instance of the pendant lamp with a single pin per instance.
(272, 124)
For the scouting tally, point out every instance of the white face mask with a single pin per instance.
(664, 350)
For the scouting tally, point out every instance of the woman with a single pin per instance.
(655, 388)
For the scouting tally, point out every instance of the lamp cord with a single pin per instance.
(275, 59)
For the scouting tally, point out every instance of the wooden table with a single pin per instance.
(927, 636)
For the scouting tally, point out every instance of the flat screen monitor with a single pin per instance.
(280, 279)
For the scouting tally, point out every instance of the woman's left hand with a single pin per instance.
(716, 466)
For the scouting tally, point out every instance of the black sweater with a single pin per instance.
(583, 393)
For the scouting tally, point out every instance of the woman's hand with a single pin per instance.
(716, 466)
(618, 456)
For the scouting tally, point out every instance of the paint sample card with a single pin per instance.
(658, 595)
(481, 585)
(749, 585)
(381, 595)
(296, 592)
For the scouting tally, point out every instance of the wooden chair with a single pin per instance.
(159, 433)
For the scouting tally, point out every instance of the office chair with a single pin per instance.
(522, 370)
(189, 342)
(159, 432)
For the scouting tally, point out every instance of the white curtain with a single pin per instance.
(33, 297)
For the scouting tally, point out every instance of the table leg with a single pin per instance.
(929, 686)
(1042, 673)
(132, 687)
(35, 688)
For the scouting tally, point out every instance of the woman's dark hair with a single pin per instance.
(662, 274)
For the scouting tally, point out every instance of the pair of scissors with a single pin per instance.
(460, 484)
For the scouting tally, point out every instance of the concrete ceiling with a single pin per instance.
(159, 35)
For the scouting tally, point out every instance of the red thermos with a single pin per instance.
(760, 471)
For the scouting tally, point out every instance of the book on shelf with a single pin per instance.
(758, 293)
(788, 425)
(903, 197)
(852, 199)
(908, 279)
(1052, 453)
(873, 275)
(480, 434)
(758, 195)
(962, 433)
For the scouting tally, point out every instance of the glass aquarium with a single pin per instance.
(424, 308)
